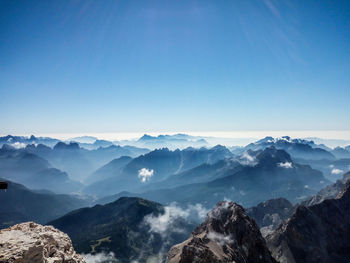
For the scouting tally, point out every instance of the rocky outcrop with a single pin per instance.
(30, 242)
(317, 233)
(271, 213)
(329, 192)
(227, 235)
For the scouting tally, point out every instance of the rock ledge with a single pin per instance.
(31, 242)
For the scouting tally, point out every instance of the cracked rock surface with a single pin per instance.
(30, 242)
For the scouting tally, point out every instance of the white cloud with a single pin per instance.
(219, 238)
(18, 145)
(166, 224)
(199, 210)
(163, 223)
(145, 174)
(286, 165)
(336, 171)
(100, 258)
(247, 159)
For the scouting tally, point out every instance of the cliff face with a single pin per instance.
(317, 233)
(30, 242)
(329, 192)
(270, 214)
(227, 235)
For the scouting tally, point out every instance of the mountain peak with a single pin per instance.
(227, 235)
(273, 156)
(146, 137)
(66, 146)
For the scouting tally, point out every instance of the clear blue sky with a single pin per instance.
(133, 66)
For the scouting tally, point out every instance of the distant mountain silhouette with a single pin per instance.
(34, 171)
(271, 173)
(20, 204)
(12, 140)
(340, 152)
(109, 170)
(297, 148)
(162, 163)
(169, 141)
(78, 162)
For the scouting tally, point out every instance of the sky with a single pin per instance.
(154, 66)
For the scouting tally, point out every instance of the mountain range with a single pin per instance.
(153, 167)
(20, 204)
(33, 171)
(259, 176)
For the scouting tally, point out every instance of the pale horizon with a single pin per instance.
(239, 135)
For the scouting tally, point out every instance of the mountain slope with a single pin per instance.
(23, 140)
(19, 204)
(270, 214)
(78, 162)
(159, 164)
(109, 170)
(317, 233)
(122, 227)
(34, 171)
(297, 148)
(271, 174)
(329, 192)
(227, 235)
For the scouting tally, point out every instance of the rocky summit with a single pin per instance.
(318, 233)
(227, 235)
(30, 242)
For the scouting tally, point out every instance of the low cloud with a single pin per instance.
(167, 224)
(145, 174)
(160, 224)
(18, 145)
(336, 171)
(247, 159)
(286, 165)
(164, 223)
(219, 238)
(100, 258)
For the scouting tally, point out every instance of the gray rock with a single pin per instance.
(319, 233)
(227, 235)
(331, 191)
(271, 213)
(30, 242)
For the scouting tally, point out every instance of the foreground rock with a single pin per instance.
(31, 242)
(227, 235)
(317, 233)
